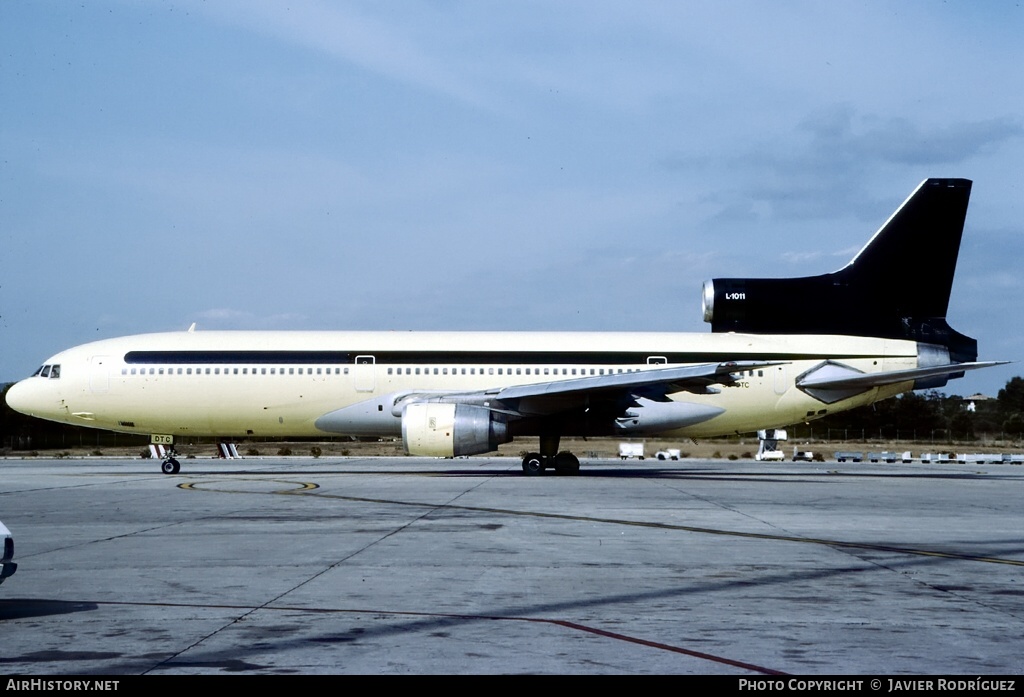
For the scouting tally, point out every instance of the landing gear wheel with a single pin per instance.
(567, 463)
(533, 464)
(170, 466)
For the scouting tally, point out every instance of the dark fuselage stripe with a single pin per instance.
(450, 357)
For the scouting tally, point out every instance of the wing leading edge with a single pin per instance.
(545, 398)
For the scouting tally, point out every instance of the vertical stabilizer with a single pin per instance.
(897, 286)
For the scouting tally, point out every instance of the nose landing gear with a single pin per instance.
(170, 464)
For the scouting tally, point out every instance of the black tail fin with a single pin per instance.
(896, 287)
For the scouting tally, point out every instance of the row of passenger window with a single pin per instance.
(509, 371)
(235, 371)
(345, 371)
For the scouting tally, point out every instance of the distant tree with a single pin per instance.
(984, 425)
(910, 413)
(1014, 426)
(962, 425)
(1011, 397)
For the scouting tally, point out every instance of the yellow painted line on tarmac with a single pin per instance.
(249, 486)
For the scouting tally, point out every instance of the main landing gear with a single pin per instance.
(561, 462)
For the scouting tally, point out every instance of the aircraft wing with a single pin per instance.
(542, 398)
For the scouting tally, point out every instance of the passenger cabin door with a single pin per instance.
(781, 380)
(364, 374)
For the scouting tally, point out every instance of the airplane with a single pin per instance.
(780, 351)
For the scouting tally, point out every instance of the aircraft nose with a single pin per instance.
(25, 398)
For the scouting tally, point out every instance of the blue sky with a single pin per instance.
(486, 165)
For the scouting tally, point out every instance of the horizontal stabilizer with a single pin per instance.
(830, 382)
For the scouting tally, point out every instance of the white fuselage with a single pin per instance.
(275, 384)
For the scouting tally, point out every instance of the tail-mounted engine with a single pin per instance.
(437, 429)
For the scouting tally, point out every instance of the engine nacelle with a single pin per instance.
(437, 429)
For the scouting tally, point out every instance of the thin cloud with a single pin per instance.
(343, 32)
(826, 168)
(901, 141)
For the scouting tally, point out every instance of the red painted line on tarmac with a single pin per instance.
(461, 616)
(667, 647)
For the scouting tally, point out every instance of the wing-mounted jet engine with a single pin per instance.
(441, 429)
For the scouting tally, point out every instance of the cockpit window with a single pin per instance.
(48, 371)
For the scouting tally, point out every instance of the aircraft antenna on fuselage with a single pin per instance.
(192, 328)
